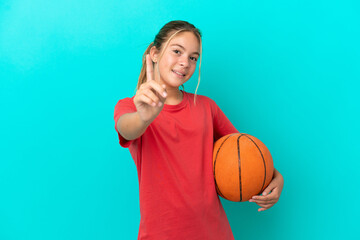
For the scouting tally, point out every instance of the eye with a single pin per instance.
(176, 51)
(193, 59)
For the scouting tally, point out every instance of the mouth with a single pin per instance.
(179, 74)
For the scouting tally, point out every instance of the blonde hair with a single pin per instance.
(163, 38)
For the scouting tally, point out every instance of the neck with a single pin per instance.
(174, 97)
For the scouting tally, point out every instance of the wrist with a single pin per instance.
(276, 173)
(143, 123)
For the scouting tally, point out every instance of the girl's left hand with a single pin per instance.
(271, 194)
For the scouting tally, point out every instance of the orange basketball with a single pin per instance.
(243, 167)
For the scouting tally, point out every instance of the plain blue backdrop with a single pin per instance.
(286, 72)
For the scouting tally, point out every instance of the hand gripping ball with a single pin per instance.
(242, 165)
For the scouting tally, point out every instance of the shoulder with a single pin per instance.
(202, 99)
(203, 102)
(125, 101)
(125, 104)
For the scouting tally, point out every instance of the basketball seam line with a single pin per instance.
(215, 165)
(263, 162)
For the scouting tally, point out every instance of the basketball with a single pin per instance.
(242, 165)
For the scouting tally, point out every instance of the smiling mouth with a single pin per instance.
(179, 74)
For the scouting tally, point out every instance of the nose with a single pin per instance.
(184, 61)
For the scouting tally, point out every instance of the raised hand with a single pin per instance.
(150, 97)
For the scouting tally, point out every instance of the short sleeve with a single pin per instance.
(123, 106)
(222, 125)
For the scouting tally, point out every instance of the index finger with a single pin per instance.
(149, 68)
(267, 197)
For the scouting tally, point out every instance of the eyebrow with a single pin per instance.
(175, 44)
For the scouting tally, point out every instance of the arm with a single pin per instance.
(222, 125)
(130, 125)
(277, 174)
(149, 101)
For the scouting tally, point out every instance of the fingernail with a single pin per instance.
(264, 193)
(159, 104)
(164, 94)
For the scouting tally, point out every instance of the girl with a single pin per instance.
(170, 135)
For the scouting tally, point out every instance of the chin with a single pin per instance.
(174, 83)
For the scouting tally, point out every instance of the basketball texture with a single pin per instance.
(242, 165)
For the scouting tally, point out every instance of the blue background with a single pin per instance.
(286, 72)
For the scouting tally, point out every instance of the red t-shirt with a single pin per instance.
(178, 199)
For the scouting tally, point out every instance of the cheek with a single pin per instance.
(163, 66)
(166, 63)
(193, 68)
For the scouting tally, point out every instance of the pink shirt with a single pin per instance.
(178, 199)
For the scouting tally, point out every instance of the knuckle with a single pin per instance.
(138, 93)
(148, 91)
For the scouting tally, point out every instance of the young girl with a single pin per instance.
(170, 134)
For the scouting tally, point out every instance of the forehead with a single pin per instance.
(188, 40)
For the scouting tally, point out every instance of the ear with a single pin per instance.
(154, 54)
